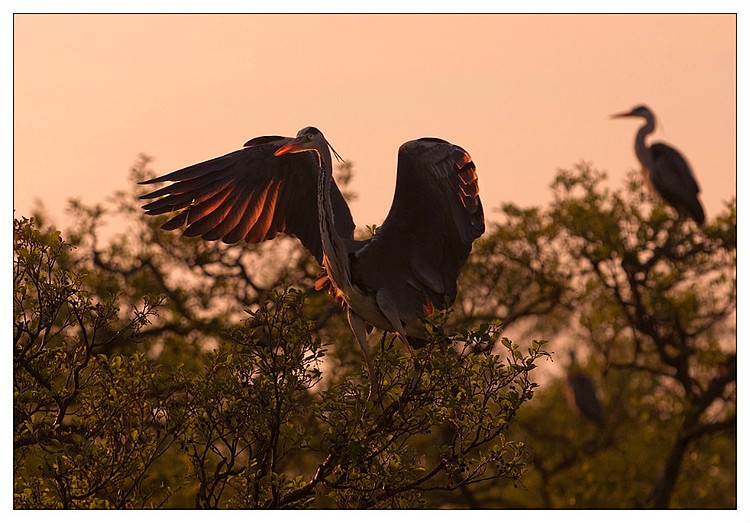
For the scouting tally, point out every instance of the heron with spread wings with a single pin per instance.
(666, 171)
(277, 184)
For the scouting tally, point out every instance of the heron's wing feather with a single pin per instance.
(250, 194)
(426, 238)
(673, 180)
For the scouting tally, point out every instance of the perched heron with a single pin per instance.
(278, 185)
(666, 171)
(581, 393)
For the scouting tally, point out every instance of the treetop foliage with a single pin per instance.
(153, 370)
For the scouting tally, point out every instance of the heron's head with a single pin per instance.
(308, 139)
(640, 110)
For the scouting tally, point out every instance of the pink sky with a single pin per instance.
(524, 94)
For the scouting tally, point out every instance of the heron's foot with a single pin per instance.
(418, 371)
(374, 393)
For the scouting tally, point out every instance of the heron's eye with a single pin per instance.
(309, 136)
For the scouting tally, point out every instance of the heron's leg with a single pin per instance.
(359, 328)
(387, 306)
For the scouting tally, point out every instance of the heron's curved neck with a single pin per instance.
(641, 149)
(335, 255)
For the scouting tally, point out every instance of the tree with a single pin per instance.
(651, 299)
(81, 419)
(191, 401)
(250, 389)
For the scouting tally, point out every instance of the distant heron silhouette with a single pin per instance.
(581, 393)
(668, 173)
(391, 281)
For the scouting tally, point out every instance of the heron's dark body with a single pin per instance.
(426, 280)
(673, 180)
(582, 396)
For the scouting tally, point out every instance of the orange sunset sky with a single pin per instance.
(524, 94)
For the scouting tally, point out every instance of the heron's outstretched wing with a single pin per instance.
(250, 194)
(426, 238)
(674, 181)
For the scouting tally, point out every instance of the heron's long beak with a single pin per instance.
(621, 115)
(294, 146)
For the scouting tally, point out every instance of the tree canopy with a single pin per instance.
(153, 370)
